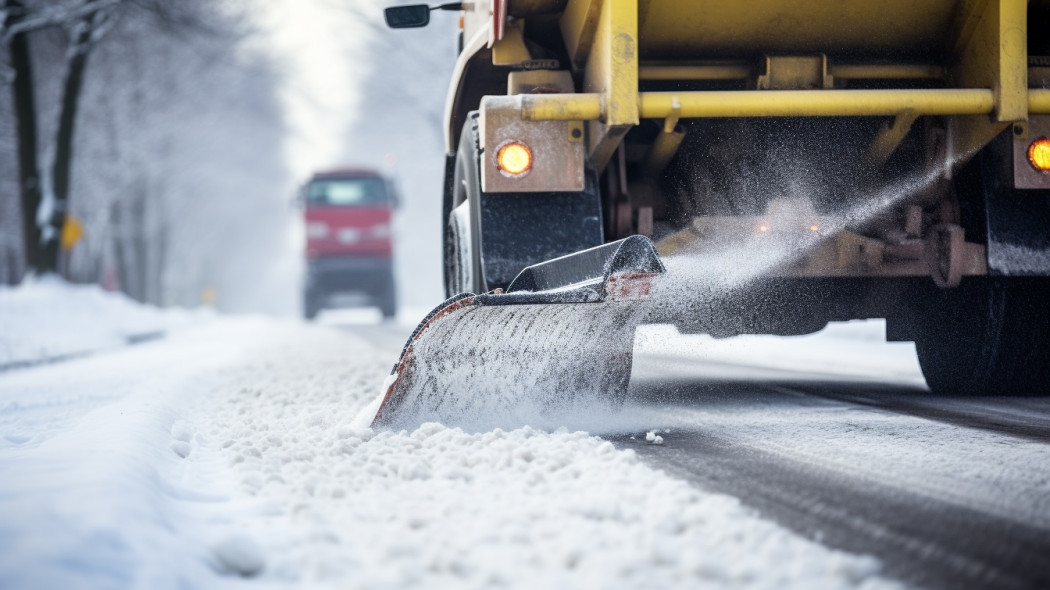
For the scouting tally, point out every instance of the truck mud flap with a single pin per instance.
(1019, 233)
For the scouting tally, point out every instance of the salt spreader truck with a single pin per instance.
(842, 160)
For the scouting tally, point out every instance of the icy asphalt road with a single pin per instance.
(948, 493)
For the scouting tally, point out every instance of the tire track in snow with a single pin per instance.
(1020, 417)
(923, 538)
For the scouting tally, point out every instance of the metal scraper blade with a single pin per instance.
(482, 367)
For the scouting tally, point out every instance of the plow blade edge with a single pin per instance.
(559, 340)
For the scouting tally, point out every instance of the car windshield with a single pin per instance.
(347, 192)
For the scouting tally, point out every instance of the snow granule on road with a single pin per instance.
(654, 439)
(240, 555)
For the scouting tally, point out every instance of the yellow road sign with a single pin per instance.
(72, 232)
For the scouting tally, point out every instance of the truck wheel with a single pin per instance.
(462, 234)
(986, 337)
(459, 261)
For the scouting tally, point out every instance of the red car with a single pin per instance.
(348, 238)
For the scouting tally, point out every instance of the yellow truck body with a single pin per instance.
(976, 50)
(903, 135)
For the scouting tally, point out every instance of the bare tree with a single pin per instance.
(83, 32)
(85, 22)
(81, 17)
(15, 35)
(166, 137)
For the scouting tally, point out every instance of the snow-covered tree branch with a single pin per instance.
(26, 19)
(150, 123)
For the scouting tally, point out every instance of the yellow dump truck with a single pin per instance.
(815, 160)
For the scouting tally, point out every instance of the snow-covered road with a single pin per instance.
(223, 455)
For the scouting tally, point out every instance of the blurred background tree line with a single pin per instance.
(162, 141)
(123, 121)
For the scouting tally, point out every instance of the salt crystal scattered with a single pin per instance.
(654, 438)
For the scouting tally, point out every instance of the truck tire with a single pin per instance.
(459, 263)
(989, 336)
(462, 248)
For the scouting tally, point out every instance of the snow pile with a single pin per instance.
(48, 319)
(340, 506)
(440, 508)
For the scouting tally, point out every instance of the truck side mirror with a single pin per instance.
(407, 17)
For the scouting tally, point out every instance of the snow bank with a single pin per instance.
(46, 318)
(95, 492)
(342, 506)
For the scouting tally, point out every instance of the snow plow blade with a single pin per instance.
(558, 340)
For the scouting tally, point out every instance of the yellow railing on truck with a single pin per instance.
(981, 45)
(777, 103)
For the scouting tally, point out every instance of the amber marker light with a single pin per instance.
(763, 228)
(514, 159)
(814, 228)
(1039, 154)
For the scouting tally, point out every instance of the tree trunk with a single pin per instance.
(61, 173)
(28, 168)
